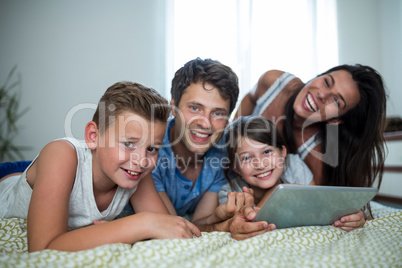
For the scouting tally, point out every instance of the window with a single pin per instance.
(253, 36)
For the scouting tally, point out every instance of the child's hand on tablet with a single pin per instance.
(235, 202)
(350, 222)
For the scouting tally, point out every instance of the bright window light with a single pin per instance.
(253, 36)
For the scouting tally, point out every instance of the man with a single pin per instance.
(189, 172)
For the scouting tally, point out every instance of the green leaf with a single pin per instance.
(10, 96)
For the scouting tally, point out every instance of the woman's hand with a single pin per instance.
(350, 222)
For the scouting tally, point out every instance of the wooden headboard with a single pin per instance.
(389, 137)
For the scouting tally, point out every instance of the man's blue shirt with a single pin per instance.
(181, 192)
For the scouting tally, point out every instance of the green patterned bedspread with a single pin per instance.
(378, 244)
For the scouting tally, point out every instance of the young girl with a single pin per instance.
(258, 160)
(72, 184)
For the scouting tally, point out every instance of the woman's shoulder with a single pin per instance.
(270, 77)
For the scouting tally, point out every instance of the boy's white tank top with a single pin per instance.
(15, 194)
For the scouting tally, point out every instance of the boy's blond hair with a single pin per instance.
(130, 97)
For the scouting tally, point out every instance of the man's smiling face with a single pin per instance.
(200, 117)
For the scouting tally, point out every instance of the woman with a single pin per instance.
(334, 122)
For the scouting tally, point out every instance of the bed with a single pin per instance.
(378, 244)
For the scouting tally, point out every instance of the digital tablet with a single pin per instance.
(300, 205)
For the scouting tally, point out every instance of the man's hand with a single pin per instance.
(241, 227)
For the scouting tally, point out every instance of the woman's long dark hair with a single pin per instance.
(360, 141)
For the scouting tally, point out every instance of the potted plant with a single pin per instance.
(10, 113)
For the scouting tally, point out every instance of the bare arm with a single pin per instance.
(168, 203)
(128, 230)
(247, 105)
(204, 212)
(52, 185)
(146, 191)
(48, 213)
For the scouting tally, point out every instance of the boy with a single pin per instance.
(72, 184)
(189, 172)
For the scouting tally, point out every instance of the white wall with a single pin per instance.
(370, 32)
(69, 52)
